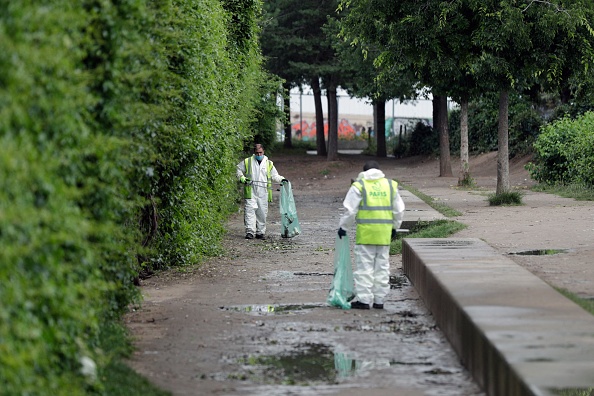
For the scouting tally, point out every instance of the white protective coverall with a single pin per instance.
(256, 207)
(372, 272)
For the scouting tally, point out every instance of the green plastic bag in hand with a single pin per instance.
(289, 221)
(341, 292)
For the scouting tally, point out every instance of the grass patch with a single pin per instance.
(467, 182)
(510, 198)
(585, 303)
(575, 191)
(123, 381)
(434, 229)
(119, 379)
(440, 207)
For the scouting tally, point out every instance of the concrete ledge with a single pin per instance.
(516, 335)
(416, 210)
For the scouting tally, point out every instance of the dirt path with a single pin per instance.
(254, 321)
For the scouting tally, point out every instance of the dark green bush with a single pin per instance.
(564, 152)
(423, 140)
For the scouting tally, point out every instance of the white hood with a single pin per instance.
(371, 174)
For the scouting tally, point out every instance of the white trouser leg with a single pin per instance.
(363, 274)
(261, 213)
(249, 216)
(381, 274)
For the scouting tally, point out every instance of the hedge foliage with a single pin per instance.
(120, 127)
(564, 152)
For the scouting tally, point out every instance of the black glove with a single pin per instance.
(284, 181)
(341, 233)
(393, 234)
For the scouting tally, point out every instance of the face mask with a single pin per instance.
(259, 157)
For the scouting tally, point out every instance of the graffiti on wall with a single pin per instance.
(307, 131)
(346, 131)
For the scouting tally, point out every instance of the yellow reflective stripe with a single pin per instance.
(248, 167)
(247, 189)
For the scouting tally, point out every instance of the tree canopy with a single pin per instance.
(463, 47)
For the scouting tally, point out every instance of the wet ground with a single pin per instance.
(310, 348)
(255, 321)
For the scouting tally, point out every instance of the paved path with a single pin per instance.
(211, 332)
(255, 321)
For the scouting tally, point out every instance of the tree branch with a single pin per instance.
(558, 9)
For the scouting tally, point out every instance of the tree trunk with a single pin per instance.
(464, 177)
(373, 129)
(565, 94)
(380, 127)
(502, 144)
(435, 111)
(288, 141)
(320, 139)
(445, 166)
(332, 123)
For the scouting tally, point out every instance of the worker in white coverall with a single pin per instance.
(257, 173)
(374, 203)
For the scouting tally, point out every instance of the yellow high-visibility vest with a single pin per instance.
(247, 189)
(375, 218)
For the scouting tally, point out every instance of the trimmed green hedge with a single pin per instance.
(52, 286)
(120, 126)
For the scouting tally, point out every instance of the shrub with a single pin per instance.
(564, 152)
(507, 198)
(423, 140)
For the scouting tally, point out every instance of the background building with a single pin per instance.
(355, 116)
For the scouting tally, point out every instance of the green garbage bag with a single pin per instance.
(344, 365)
(289, 222)
(342, 289)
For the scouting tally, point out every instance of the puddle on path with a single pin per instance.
(539, 252)
(313, 273)
(273, 309)
(318, 363)
(398, 281)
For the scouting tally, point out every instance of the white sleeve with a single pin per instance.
(240, 169)
(351, 204)
(398, 210)
(275, 176)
